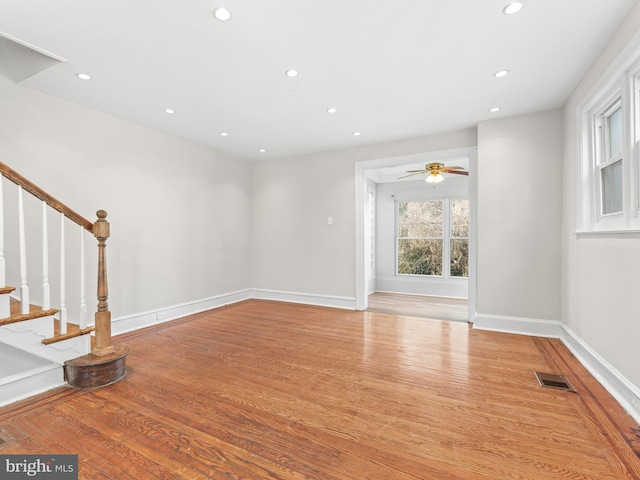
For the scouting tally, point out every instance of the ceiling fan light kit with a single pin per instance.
(221, 13)
(435, 177)
(435, 171)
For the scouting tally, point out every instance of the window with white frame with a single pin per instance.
(459, 241)
(609, 159)
(609, 121)
(433, 238)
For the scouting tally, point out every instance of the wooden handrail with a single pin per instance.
(37, 192)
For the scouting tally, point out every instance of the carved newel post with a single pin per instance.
(103, 344)
(106, 364)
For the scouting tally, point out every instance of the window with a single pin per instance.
(610, 187)
(433, 238)
(420, 238)
(608, 156)
(459, 242)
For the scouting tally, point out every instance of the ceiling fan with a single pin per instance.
(435, 171)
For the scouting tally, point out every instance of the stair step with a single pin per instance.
(6, 290)
(34, 312)
(73, 331)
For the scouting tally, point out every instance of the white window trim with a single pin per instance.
(621, 80)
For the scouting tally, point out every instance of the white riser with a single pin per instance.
(5, 309)
(28, 336)
(42, 327)
(30, 341)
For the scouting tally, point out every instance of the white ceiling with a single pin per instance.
(393, 70)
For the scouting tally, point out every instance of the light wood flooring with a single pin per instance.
(440, 308)
(269, 390)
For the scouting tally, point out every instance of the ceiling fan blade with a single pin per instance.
(456, 172)
(416, 172)
(454, 168)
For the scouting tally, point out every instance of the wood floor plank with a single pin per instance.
(273, 390)
(438, 308)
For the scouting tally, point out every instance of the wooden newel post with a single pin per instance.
(103, 344)
(106, 364)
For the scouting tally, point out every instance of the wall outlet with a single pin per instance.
(161, 315)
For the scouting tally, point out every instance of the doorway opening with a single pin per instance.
(378, 191)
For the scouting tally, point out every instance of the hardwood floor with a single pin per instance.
(272, 390)
(440, 308)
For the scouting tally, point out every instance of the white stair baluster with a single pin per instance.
(24, 287)
(63, 275)
(46, 290)
(83, 301)
(3, 280)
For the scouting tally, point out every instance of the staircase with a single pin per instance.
(39, 347)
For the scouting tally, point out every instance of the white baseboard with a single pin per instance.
(137, 321)
(305, 298)
(129, 323)
(518, 325)
(434, 287)
(626, 393)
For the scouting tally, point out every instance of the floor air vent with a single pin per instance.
(550, 380)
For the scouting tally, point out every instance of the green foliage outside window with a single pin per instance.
(459, 243)
(421, 238)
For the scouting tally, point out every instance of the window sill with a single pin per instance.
(607, 233)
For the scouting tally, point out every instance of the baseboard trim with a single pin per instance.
(518, 325)
(626, 393)
(347, 303)
(130, 323)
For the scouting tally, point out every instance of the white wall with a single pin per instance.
(386, 278)
(519, 216)
(600, 273)
(294, 249)
(179, 213)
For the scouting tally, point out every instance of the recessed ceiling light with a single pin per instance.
(84, 76)
(356, 134)
(494, 109)
(222, 14)
(224, 134)
(291, 73)
(262, 150)
(512, 8)
(501, 73)
(331, 110)
(169, 110)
